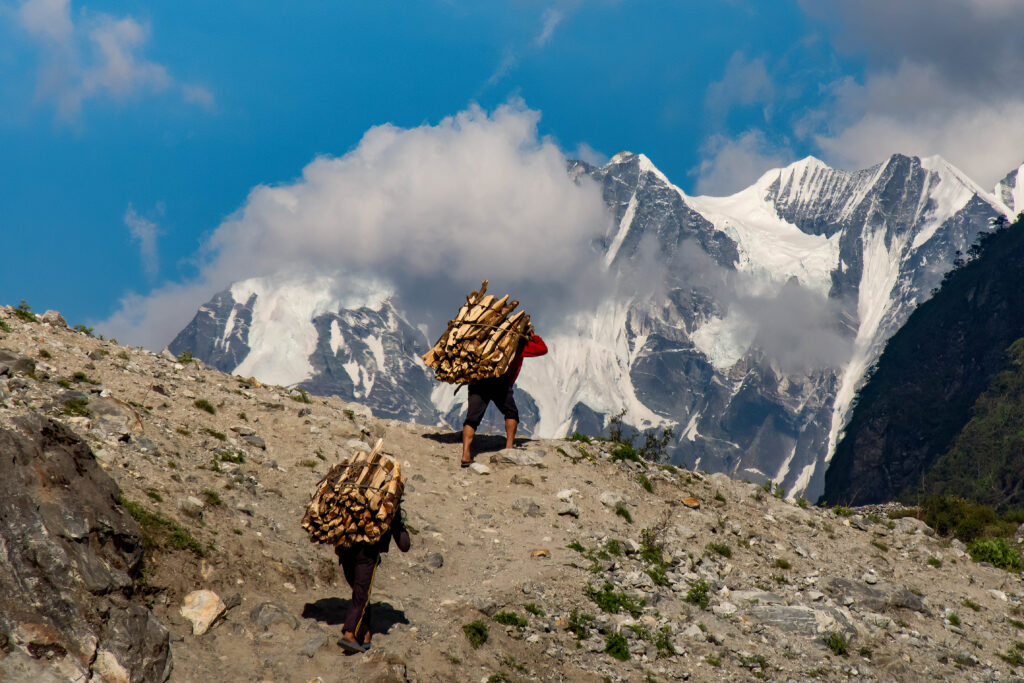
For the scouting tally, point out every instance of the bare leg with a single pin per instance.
(467, 441)
(510, 432)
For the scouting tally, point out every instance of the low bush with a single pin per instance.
(203, 404)
(838, 642)
(510, 619)
(698, 594)
(476, 633)
(617, 646)
(997, 552)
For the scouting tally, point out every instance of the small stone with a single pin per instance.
(569, 507)
(870, 578)
(303, 412)
(691, 502)
(313, 644)
(724, 609)
(566, 494)
(255, 441)
(521, 480)
(997, 594)
(480, 468)
(612, 499)
(541, 552)
(356, 445)
(167, 355)
(202, 608)
(435, 560)
(191, 506)
(693, 632)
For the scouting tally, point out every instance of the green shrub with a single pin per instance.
(476, 633)
(838, 642)
(237, 458)
(663, 642)
(802, 502)
(617, 646)
(967, 602)
(4, 326)
(212, 498)
(719, 549)
(613, 547)
(24, 312)
(625, 451)
(43, 353)
(964, 519)
(82, 377)
(533, 609)
(782, 563)
(302, 396)
(577, 436)
(77, 406)
(203, 404)
(780, 492)
(83, 329)
(510, 619)
(712, 660)
(185, 357)
(645, 483)
(698, 594)
(842, 511)
(953, 618)
(611, 602)
(579, 624)
(499, 677)
(307, 462)
(577, 546)
(881, 546)
(934, 562)
(1015, 623)
(997, 552)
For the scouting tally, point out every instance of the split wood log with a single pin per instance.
(356, 500)
(481, 341)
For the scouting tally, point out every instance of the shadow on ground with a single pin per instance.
(331, 611)
(482, 443)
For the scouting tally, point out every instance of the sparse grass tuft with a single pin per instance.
(718, 549)
(212, 498)
(645, 483)
(161, 533)
(307, 462)
(967, 602)
(533, 609)
(78, 407)
(801, 502)
(621, 511)
(185, 357)
(203, 404)
(476, 633)
(782, 563)
(82, 377)
(577, 436)
(4, 327)
(953, 618)
(43, 353)
(579, 624)
(220, 436)
(934, 562)
(881, 546)
(842, 511)
(611, 602)
(838, 642)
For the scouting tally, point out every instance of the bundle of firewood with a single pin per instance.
(481, 341)
(356, 501)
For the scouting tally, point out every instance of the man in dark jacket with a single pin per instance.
(498, 390)
(359, 563)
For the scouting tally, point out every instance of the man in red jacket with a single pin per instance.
(498, 390)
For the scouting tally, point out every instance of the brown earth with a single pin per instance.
(781, 581)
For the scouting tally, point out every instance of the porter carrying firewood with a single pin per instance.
(484, 347)
(357, 508)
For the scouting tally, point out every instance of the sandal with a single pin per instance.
(350, 646)
(465, 463)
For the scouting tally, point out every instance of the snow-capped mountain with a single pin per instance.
(1010, 190)
(744, 322)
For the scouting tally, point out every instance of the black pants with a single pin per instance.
(496, 390)
(359, 564)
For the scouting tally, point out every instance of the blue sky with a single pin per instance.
(130, 131)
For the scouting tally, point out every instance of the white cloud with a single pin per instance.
(99, 55)
(551, 18)
(915, 111)
(731, 164)
(745, 83)
(145, 233)
(941, 78)
(433, 209)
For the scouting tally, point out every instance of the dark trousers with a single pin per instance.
(359, 564)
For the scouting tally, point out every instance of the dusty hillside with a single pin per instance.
(680, 574)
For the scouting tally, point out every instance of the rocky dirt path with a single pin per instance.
(578, 566)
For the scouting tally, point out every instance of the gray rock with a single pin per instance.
(724, 609)
(167, 355)
(255, 441)
(480, 468)
(191, 506)
(516, 456)
(435, 560)
(527, 506)
(356, 445)
(313, 644)
(304, 412)
(569, 507)
(800, 620)
(267, 614)
(612, 499)
(17, 363)
(521, 480)
(70, 552)
(54, 318)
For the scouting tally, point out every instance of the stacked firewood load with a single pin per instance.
(356, 501)
(481, 341)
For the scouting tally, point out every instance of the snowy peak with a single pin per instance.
(1010, 191)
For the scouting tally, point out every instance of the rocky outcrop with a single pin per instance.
(69, 559)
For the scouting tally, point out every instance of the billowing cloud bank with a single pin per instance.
(432, 210)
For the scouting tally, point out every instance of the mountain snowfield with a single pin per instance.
(770, 306)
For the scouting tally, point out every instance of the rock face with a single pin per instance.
(759, 388)
(69, 560)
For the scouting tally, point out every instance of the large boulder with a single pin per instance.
(69, 558)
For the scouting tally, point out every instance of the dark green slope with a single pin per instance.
(929, 377)
(986, 462)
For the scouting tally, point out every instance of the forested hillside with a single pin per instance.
(939, 413)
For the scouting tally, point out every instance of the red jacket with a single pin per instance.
(535, 347)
